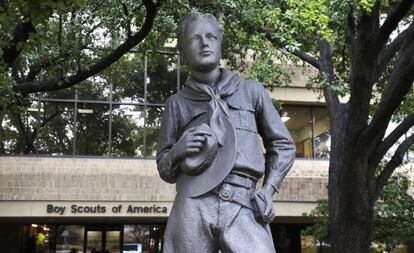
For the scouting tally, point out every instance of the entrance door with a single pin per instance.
(103, 240)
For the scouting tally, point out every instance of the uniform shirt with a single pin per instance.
(251, 113)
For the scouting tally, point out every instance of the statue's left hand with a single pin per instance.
(264, 203)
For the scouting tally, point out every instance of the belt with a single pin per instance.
(228, 192)
(242, 181)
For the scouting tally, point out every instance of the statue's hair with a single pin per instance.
(191, 17)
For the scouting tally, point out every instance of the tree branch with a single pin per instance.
(324, 64)
(307, 58)
(399, 84)
(351, 33)
(395, 161)
(389, 51)
(20, 34)
(327, 68)
(93, 28)
(367, 27)
(37, 67)
(44, 123)
(394, 17)
(361, 66)
(376, 12)
(302, 55)
(389, 141)
(60, 31)
(126, 14)
(23, 133)
(49, 85)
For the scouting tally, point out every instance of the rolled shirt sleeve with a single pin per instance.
(280, 148)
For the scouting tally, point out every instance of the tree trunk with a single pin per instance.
(350, 194)
(410, 247)
(351, 222)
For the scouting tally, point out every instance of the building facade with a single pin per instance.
(113, 203)
(78, 173)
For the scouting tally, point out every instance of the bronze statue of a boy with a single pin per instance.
(209, 146)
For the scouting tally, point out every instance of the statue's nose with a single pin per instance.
(204, 42)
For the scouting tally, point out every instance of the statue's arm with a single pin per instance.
(167, 167)
(280, 149)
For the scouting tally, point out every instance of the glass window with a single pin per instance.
(136, 238)
(309, 128)
(112, 242)
(96, 88)
(94, 241)
(162, 77)
(298, 121)
(143, 238)
(9, 134)
(322, 133)
(79, 120)
(127, 130)
(39, 238)
(68, 93)
(69, 239)
(153, 124)
(17, 130)
(92, 129)
(156, 238)
(55, 135)
(128, 83)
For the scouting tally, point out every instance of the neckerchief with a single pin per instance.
(218, 110)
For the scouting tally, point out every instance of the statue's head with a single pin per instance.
(199, 41)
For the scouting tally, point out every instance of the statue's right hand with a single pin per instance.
(190, 142)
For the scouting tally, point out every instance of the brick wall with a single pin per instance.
(104, 179)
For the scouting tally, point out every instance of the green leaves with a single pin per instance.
(7, 95)
(366, 5)
(308, 16)
(320, 82)
(406, 107)
(268, 72)
(394, 215)
(320, 229)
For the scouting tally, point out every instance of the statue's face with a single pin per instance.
(202, 45)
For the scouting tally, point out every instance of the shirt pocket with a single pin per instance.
(242, 116)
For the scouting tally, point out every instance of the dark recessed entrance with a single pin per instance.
(120, 238)
(86, 238)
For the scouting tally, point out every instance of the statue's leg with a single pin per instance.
(245, 233)
(189, 227)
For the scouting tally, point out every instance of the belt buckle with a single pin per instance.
(226, 192)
